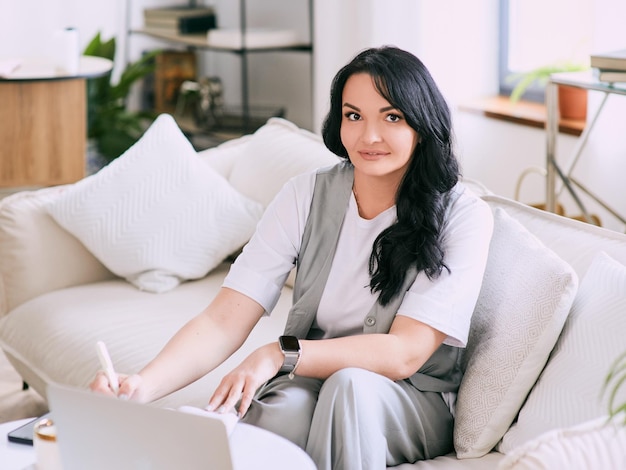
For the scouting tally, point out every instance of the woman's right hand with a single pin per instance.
(130, 386)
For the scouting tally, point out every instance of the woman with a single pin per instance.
(390, 251)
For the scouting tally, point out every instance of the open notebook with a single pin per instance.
(97, 432)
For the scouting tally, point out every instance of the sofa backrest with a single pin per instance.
(36, 254)
(574, 241)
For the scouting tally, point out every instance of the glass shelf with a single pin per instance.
(588, 81)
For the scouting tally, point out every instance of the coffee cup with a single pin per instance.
(46, 446)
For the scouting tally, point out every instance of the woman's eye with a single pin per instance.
(352, 116)
(394, 117)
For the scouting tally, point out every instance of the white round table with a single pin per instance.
(253, 449)
(40, 70)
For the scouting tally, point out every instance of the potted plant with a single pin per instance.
(572, 101)
(111, 126)
(614, 382)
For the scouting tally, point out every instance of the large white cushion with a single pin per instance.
(568, 391)
(223, 157)
(599, 443)
(157, 215)
(261, 164)
(525, 298)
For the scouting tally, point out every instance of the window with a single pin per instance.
(535, 33)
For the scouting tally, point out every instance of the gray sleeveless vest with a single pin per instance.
(442, 372)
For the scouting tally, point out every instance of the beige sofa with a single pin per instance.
(550, 281)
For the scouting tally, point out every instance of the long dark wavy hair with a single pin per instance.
(415, 239)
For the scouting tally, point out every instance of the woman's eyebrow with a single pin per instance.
(386, 108)
(381, 110)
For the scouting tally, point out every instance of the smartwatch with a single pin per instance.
(290, 346)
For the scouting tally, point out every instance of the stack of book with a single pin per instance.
(180, 19)
(610, 66)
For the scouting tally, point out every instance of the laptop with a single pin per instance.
(97, 432)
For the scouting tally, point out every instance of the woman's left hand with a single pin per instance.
(243, 381)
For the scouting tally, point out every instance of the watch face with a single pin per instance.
(289, 343)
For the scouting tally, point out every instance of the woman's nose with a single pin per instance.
(371, 133)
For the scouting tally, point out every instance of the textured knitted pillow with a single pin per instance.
(568, 391)
(274, 154)
(526, 296)
(157, 215)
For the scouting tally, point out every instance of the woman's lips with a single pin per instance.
(372, 154)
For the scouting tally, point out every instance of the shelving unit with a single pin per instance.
(199, 42)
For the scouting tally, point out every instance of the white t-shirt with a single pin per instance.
(446, 303)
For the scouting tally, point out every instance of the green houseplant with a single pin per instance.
(614, 382)
(572, 101)
(111, 126)
(540, 75)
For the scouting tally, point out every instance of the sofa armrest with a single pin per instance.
(36, 254)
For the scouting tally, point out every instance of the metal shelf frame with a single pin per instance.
(587, 81)
(199, 41)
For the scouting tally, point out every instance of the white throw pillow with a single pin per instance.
(157, 215)
(599, 443)
(525, 298)
(568, 391)
(274, 154)
(223, 157)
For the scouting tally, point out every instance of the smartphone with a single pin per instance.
(25, 433)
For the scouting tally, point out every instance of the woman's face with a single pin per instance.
(376, 136)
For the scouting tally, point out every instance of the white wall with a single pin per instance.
(456, 39)
(27, 26)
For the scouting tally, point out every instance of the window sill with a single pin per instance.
(525, 113)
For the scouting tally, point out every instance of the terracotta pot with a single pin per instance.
(572, 102)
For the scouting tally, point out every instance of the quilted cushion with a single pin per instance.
(568, 391)
(223, 157)
(274, 154)
(157, 215)
(526, 296)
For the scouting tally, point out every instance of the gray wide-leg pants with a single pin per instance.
(355, 419)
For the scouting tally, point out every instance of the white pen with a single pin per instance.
(107, 366)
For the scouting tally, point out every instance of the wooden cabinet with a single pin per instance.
(43, 132)
(43, 128)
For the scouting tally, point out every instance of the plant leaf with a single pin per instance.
(613, 383)
(539, 75)
(109, 123)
